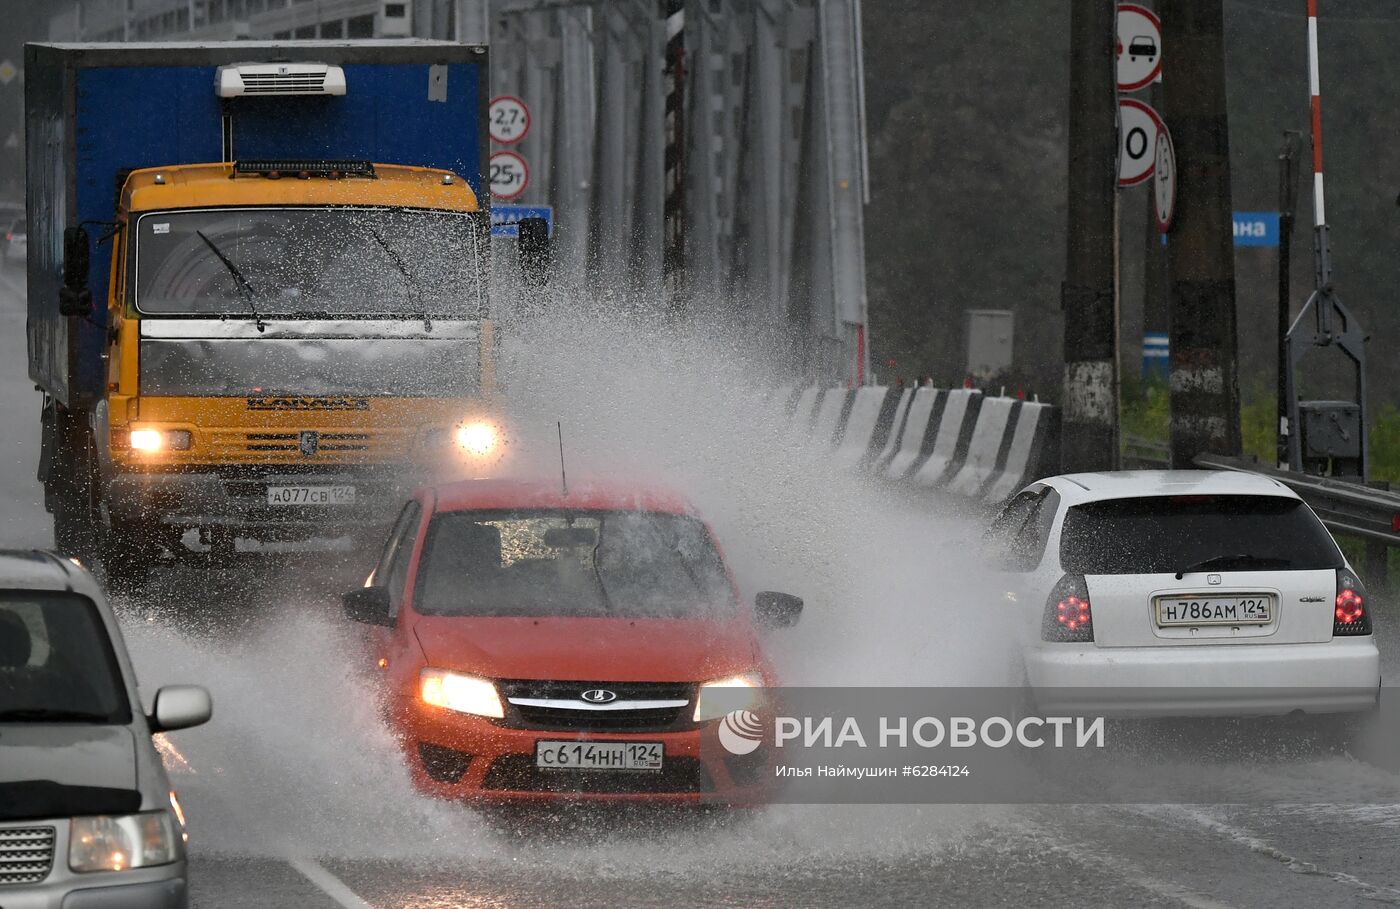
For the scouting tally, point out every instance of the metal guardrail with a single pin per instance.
(1144, 453)
(1349, 508)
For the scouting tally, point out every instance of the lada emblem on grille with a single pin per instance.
(309, 442)
(1212, 579)
(598, 696)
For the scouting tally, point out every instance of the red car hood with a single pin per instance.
(588, 649)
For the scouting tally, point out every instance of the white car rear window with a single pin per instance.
(1159, 534)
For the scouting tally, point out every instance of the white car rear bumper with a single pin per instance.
(1206, 680)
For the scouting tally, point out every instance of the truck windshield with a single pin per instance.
(347, 261)
(586, 563)
(56, 662)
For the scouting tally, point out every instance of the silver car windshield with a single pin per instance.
(345, 261)
(56, 662)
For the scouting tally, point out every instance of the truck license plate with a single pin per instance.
(311, 495)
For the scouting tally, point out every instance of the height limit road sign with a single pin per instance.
(509, 119)
(1139, 47)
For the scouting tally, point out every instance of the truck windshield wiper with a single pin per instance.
(407, 277)
(243, 286)
(1243, 558)
(47, 715)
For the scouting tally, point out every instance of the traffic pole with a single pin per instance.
(1287, 205)
(1322, 258)
(1089, 432)
(1156, 308)
(1204, 376)
(673, 231)
(1332, 323)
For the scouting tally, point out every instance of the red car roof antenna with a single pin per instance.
(563, 476)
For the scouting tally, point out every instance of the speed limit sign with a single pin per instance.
(509, 175)
(509, 119)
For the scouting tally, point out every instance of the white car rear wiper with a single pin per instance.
(244, 287)
(1246, 558)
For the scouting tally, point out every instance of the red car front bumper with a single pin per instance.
(459, 756)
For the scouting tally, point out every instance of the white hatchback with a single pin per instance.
(1181, 593)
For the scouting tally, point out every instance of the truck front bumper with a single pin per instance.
(239, 500)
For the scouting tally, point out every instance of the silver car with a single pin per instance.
(88, 819)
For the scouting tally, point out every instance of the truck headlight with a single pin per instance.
(478, 439)
(462, 693)
(119, 842)
(723, 696)
(157, 439)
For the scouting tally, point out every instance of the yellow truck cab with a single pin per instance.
(287, 351)
(240, 327)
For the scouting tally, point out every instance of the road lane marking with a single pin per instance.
(1259, 845)
(1127, 871)
(329, 884)
(1088, 856)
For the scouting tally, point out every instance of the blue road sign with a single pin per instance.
(505, 219)
(1156, 355)
(1256, 228)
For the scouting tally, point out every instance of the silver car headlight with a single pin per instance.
(121, 842)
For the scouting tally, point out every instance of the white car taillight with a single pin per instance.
(1350, 615)
(1068, 617)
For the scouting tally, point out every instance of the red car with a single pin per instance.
(540, 645)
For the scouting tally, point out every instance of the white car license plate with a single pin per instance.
(311, 495)
(599, 755)
(1246, 609)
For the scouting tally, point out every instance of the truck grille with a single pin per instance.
(26, 854)
(335, 447)
(326, 441)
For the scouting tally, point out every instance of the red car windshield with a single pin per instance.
(571, 563)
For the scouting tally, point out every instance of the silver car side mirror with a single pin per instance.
(180, 707)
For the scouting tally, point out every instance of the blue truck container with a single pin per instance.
(95, 112)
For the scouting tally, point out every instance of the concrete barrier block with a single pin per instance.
(989, 443)
(953, 436)
(803, 410)
(888, 426)
(827, 419)
(916, 427)
(857, 434)
(1034, 433)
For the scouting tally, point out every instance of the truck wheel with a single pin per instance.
(70, 482)
(75, 531)
(128, 553)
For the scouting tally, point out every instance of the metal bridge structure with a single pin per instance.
(771, 143)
